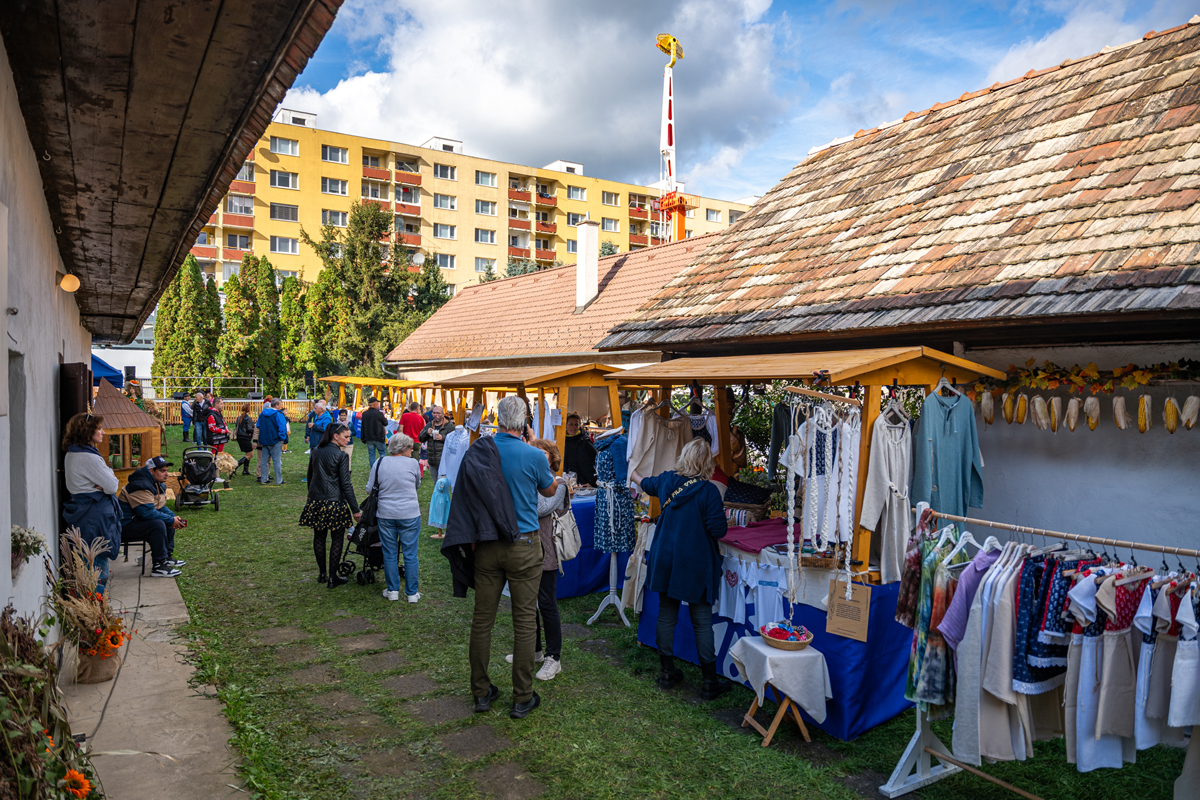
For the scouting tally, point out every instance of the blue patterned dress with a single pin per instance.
(614, 531)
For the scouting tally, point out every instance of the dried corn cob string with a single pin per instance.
(1170, 415)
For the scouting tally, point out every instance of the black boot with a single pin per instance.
(335, 581)
(323, 578)
(714, 685)
(670, 676)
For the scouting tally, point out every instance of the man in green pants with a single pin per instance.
(527, 474)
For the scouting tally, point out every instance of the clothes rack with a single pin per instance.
(915, 768)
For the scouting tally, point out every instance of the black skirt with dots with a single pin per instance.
(326, 515)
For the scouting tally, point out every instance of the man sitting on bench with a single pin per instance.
(145, 517)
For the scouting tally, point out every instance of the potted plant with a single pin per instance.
(87, 619)
(26, 544)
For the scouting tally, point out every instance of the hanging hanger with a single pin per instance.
(944, 383)
(946, 533)
(964, 539)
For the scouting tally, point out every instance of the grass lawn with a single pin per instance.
(343, 694)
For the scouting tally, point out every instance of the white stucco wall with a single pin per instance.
(1107, 482)
(44, 328)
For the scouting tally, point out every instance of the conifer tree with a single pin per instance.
(212, 326)
(291, 331)
(164, 329)
(187, 338)
(324, 305)
(235, 351)
(429, 289)
(267, 360)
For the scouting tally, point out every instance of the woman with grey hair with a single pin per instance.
(685, 563)
(399, 514)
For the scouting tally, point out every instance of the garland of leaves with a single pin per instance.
(1089, 378)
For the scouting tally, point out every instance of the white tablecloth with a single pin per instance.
(800, 674)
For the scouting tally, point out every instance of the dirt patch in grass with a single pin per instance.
(296, 654)
(318, 675)
(507, 781)
(338, 701)
(382, 662)
(439, 710)
(409, 685)
(345, 625)
(474, 742)
(282, 635)
(361, 644)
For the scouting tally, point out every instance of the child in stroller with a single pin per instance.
(197, 478)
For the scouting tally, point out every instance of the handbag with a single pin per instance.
(567, 541)
(370, 506)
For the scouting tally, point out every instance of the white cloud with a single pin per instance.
(533, 81)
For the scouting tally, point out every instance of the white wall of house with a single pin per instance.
(43, 332)
(1114, 483)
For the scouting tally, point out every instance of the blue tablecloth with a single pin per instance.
(867, 677)
(588, 571)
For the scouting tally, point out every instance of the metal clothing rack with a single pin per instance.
(915, 768)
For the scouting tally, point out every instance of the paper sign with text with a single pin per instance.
(848, 618)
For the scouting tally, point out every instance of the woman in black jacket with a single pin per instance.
(244, 433)
(329, 494)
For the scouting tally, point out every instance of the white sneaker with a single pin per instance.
(393, 596)
(414, 598)
(537, 657)
(549, 669)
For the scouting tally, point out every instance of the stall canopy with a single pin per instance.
(102, 370)
(394, 390)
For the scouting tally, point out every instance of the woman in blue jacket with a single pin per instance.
(685, 564)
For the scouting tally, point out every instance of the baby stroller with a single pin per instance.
(197, 478)
(364, 543)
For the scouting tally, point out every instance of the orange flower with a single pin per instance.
(115, 639)
(76, 784)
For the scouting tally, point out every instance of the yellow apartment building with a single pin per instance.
(469, 213)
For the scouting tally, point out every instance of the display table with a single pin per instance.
(802, 675)
(588, 571)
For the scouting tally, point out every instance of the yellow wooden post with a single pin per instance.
(614, 405)
(341, 395)
(560, 432)
(861, 548)
(724, 421)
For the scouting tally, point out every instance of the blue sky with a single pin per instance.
(531, 81)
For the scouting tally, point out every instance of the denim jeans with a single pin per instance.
(406, 533)
(375, 450)
(199, 434)
(101, 563)
(272, 454)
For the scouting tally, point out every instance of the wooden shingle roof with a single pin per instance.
(120, 413)
(1069, 194)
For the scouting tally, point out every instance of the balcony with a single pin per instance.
(518, 252)
(412, 239)
(521, 195)
(657, 240)
(638, 213)
(229, 253)
(518, 224)
(377, 173)
(547, 227)
(384, 204)
(204, 251)
(408, 209)
(410, 178)
(546, 200)
(545, 255)
(250, 156)
(241, 187)
(212, 220)
(237, 220)
(639, 238)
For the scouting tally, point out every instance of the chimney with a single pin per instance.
(587, 265)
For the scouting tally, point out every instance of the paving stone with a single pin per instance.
(382, 662)
(439, 710)
(359, 644)
(338, 701)
(409, 685)
(389, 764)
(474, 742)
(280, 635)
(507, 781)
(575, 631)
(296, 654)
(316, 675)
(346, 625)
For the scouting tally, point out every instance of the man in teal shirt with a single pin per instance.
(519, 563)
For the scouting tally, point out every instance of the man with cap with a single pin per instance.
(374, 431)
(145, 517)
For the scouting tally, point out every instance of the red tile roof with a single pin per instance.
(1068, 194)
(534, 315)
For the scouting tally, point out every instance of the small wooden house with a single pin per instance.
(124, 420)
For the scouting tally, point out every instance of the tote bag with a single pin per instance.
(566, 534)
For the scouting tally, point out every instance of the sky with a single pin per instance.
(761, 83)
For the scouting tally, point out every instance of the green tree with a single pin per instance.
(607, 248)
(236, 347)
(187, 338)
(268, 360)
(524, 266)
(324, 305)
(429, 290)
(164, 330)
(291, 332)
(212, 326)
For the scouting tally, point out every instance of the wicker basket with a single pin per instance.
(779, 644)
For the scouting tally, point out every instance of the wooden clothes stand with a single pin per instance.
(916, 768)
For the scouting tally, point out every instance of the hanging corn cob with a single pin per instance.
(1091, 410)
(1007, 401)
(1120, 415)
(1041, 414)
(987, 407)
(1170, 415)
(1055, 413)
(1072, 418)
(1022, 408)
(1145, 420)
(1191, 409)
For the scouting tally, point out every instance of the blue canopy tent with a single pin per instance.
(103, 370)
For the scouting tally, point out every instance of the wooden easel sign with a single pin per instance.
(848, 618)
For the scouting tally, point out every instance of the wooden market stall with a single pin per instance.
(124, 420)
(875, 369)
(397, 392)
(526, 381)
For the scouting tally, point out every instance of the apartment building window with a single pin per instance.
(514, 241)
(483, 236)
(513, 213)
(445, 172)
(610, 198)
(609, 225)
(446, 261)
(485, 207)
(385, 252)
(282, 244)
(202, 239)
(687, 234)
(285, 147)
(407, 166)
(572, 246)
(734, 216)
(444, 231)
(446, 201)
(370, 161)
(574, 219)
(237, 241)
(543, 189)
(375, 191)
(334, 186)
(335, 249)
(336, 155)
(712, 214)
(485, 178)
(544, 244)
(230, 268)
(410, 195)
(239, 204)
(285, 213)
(690, 213)
(576, 193)
(284, 180)
(484, 264)
(408, 227)
(338, 219)
(571, 170)
(654, 229)
(246, 173)
(283, 274)
(541, 216)
(450, 290)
